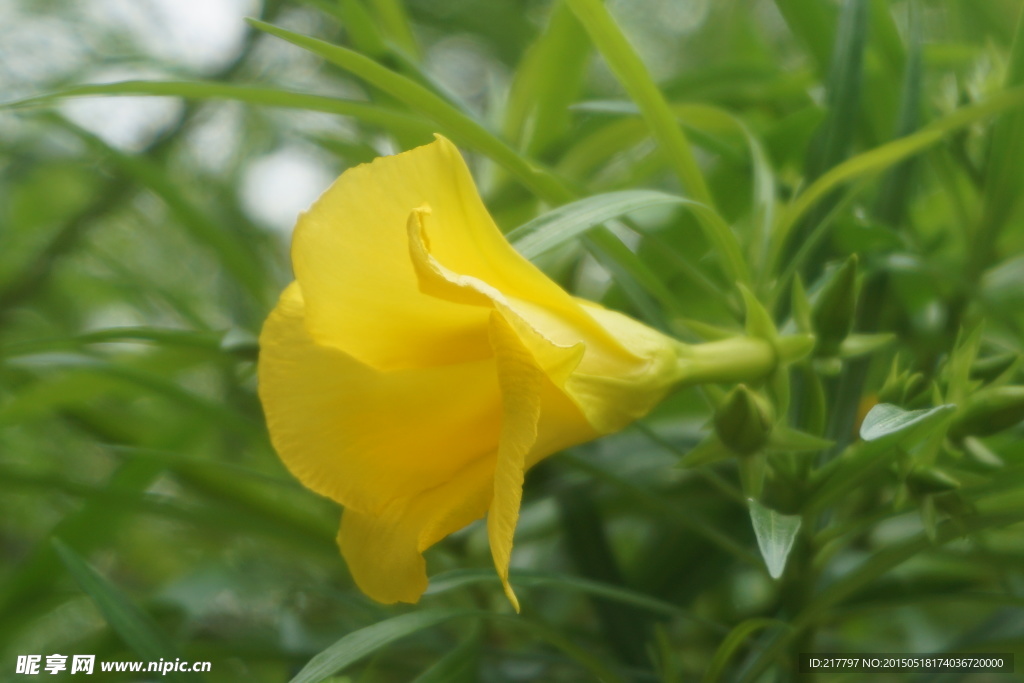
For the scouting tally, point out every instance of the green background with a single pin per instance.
(143, 239)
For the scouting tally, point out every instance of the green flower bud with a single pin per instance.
(834, 309)
(744, 420)
(989, 411)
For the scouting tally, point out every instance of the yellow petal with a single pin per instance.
(564, 424)
(520, 379)
(419, 366)
(612, 394)
(351, 256)
(436, 279)
(561, 346)
(384, 551)
(363, 437)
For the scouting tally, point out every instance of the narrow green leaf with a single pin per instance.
(392, 17)
(90, 524)
(451, 121)
(587, 154)
(800, 305)
(785, 438)
(896, 188)
(373, 114)
(861, 344)
(813, 23)
(552, 229)
(133, 625)
(71, 365)
(458, 666)
(364, 642)
(843, 88)
(614, 255)
(229, 247)
(968, 343)
(887, 155)
(707, 123)
(834, 139)
(163, 336)
(538, 630)
(329, 7)
(360, 27)
(1003, 193)
(229, 517)
(708, 451)
(635, 77)
(538, 112)
(775, 533)
(886, 420)
(794, 347)
(665, 510)
(625, 629)
(885, 37)
(727, 649)
(452, 580)
(759, 323)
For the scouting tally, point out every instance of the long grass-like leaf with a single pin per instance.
(373, 114)
(887, 155)
(813, 23)
(561, 225)
(547, 81)
(635, 77)
(458, 666)
(895, 192)
(229, 249)
(364, 642)
(204, 409)
(133, 625)
(451, 580)
(394, 20)
(355, 646)
(727, 649)
(449, 119)
(715, 229)
(834, 139)
(1003, 187)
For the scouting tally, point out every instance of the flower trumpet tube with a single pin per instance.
(418, 366)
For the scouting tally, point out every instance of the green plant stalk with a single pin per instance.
(726, 361)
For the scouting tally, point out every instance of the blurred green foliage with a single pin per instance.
(143, 513)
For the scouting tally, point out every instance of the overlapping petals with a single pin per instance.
(418, 366)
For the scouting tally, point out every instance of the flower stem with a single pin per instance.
(739, 359)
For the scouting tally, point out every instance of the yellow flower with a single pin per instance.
(418, 366)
